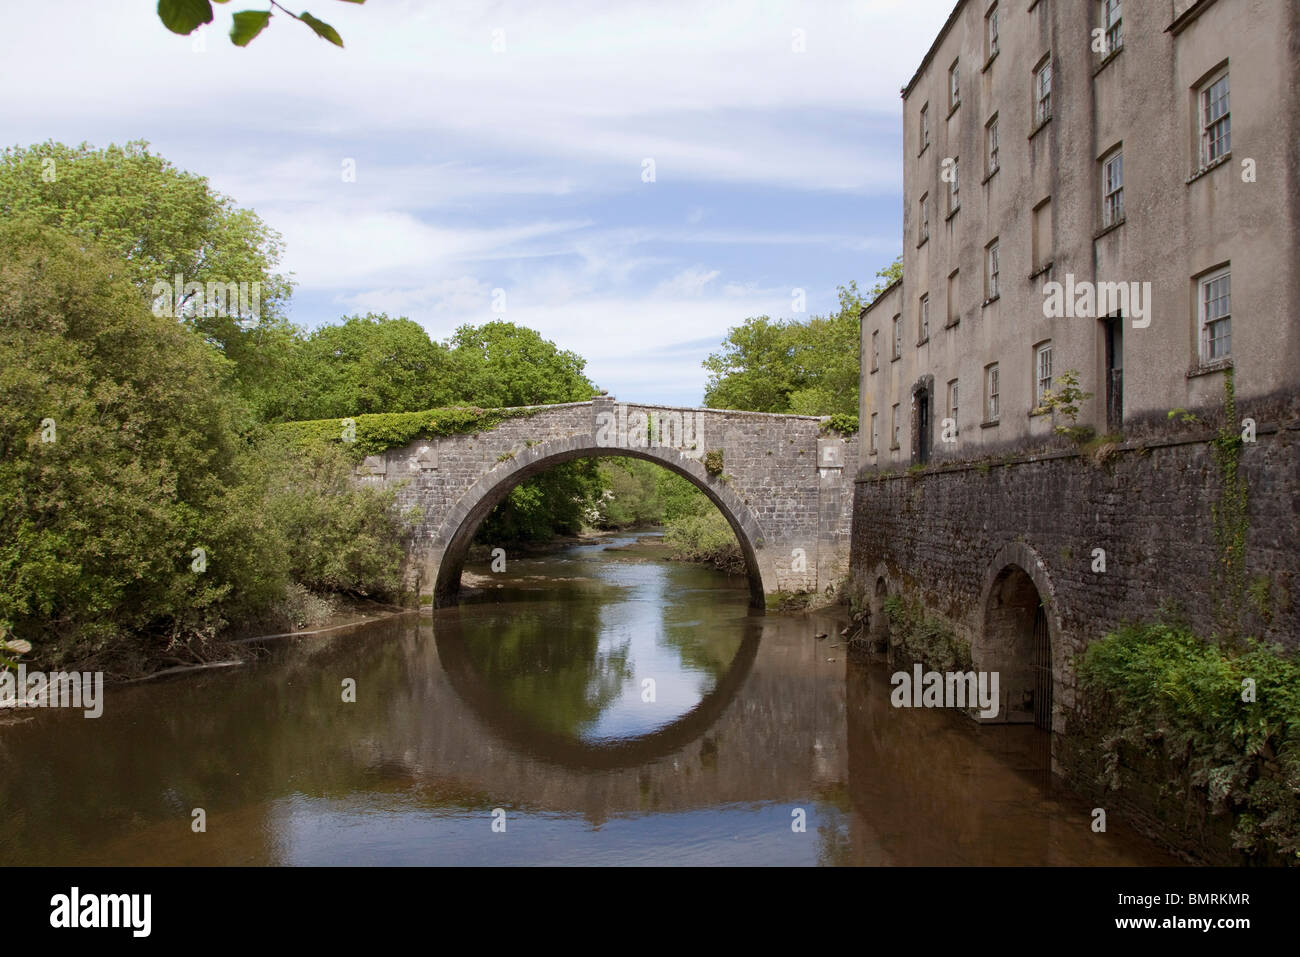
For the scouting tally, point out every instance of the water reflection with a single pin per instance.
(529, 700)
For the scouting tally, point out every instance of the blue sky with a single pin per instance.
(521, 168)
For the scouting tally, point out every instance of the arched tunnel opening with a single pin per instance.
(595, 645)
(493, 511)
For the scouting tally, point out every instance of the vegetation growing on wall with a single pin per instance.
(843, 423)
(918, 637)
(1065, 400)
(1231, 521)
(1226, 720)
(377, 433)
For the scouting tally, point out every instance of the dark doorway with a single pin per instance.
(1114, 376)
(923, 425)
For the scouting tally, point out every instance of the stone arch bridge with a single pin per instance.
(781, 482)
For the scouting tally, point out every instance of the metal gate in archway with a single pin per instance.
(1042, 662)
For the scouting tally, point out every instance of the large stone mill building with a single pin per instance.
(1109, 189)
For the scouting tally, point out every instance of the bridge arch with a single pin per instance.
(452, 539)
(1020, 635)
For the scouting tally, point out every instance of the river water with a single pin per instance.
(593, 706)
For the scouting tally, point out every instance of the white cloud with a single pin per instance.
(688, 282)
(518, 170)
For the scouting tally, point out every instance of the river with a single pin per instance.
(592, 706)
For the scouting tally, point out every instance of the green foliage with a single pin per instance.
(186, 16)
(632, 494)
(844, 423)
(918, 637)
(160, 222)
(706, 538)
(369, 364)
(681, 496)
(886, 277)
(389, 430)
(805, 368)
(98, 528)
(556, 502)
(501, 364)
(1065, 400)
(335, 537)
(1159, 682)
(713, 461)
(639, 493)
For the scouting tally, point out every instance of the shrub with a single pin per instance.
(706, 538)
(928, 640)
(100, 528)
(1159, 682)
(843, 423)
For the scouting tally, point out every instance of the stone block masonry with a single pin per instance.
(1098, 545)
(782, 483)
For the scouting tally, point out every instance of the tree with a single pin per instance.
(807, 368)
(826, 356)
(886, 276)
(185, 16)
(162, 223)
(135, 521)
(500, 364)
(755, 369)
(119, 452)
(370, 363)
(804, 368)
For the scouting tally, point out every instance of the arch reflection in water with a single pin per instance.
(599, 677)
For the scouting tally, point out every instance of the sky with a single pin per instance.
(630, 179)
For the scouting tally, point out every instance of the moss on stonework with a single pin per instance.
(377, 433)
(916, 637)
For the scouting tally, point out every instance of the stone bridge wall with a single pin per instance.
(945, 535)
(784, 487)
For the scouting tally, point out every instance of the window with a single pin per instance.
(923, 230)
(1112, 188)
(923, 327)
(1214, 302)
(954, 185)
(952, 402)
(991, 272)
(1043, 92)
(954, 86)
(954, 313)
(1042, 371)
(991, 141)
(1110, 22)
(1216, 120)
(991, 31)
(925, 128)
(894, 428)
(1042, 234)
(875, 432)
(991, 393)
(875, 349)
(898, 337)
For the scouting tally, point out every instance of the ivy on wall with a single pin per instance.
(377, 433)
